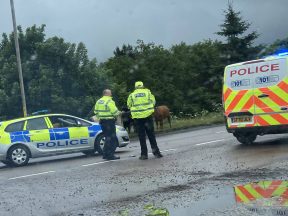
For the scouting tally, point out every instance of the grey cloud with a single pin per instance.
(104, 24)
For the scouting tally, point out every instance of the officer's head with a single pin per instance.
(107, 92)
(139, 85)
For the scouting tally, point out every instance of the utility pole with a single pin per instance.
(19, 66)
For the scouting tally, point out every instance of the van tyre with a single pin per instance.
(18, 155)
(246, 139)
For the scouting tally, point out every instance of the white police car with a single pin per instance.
(51, 134)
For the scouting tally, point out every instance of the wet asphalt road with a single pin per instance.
(195, 177)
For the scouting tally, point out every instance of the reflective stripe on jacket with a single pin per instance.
(105, 108)
(141, 102)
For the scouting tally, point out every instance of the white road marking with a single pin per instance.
(220, 132)
(101, 162)
(213, 141)
(36, 174)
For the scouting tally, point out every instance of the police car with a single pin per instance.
(51, 134)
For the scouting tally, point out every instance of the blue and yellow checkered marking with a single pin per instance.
(55, 134)
(59, 134)
(93, 130)
(19, 136)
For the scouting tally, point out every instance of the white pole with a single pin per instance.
(18, 59)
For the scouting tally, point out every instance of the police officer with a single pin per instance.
(141, 102)
(107, 112)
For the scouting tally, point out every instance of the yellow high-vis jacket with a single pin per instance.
(141, 102)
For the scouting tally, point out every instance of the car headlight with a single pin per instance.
(120, 128)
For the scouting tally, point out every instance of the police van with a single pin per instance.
(255, 97)
(51, 134)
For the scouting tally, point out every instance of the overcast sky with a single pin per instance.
(104, 24)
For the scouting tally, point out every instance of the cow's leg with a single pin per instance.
(161, 124)
(169, 120)
(157, 124)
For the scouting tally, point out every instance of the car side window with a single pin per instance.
(63, 121)
(36, 124)
(17, 126)
(83, 123)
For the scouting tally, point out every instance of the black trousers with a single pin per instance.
(109, 131)
(146, 126)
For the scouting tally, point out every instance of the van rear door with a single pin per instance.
(238, 92)
(271, 91)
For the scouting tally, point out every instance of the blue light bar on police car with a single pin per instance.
(41, 112)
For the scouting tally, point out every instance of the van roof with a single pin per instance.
(268, 58)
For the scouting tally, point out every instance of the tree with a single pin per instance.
(57, 75)
(186, 78)
(239, 45)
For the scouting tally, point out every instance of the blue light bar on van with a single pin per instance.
(282, 54)
(283, 51)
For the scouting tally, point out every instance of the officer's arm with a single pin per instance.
(95, 110)
(113, 109)
(129, 102)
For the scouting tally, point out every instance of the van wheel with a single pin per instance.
(245, 138)
(18, 155)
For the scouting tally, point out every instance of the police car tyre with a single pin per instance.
(89, 152)
(6, 162)
(246, 139)
(18, 155)
(99, 143)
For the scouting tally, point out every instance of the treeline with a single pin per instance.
(60, 77)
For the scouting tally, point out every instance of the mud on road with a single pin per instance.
(195, 177)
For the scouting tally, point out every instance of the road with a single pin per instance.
(195, 177)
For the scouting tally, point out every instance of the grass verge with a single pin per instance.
(180, 124)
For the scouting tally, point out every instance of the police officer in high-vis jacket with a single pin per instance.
(141, 102)
(107, 112)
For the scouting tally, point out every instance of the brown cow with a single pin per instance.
(161, 113)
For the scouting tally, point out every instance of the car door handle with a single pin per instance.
(263, 95)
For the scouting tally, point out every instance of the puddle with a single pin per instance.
(264, 197)
(222, 199)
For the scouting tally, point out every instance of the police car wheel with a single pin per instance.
(99, 144)
(18, 155)
(6, 162)
(89, 152)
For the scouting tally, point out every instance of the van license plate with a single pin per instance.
(241, 119)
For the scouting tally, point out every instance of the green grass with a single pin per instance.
(208, 119)
(180, 124)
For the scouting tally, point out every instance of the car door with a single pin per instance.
(39, 135)
(271, 96)
(238, 96)
(69, 133)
